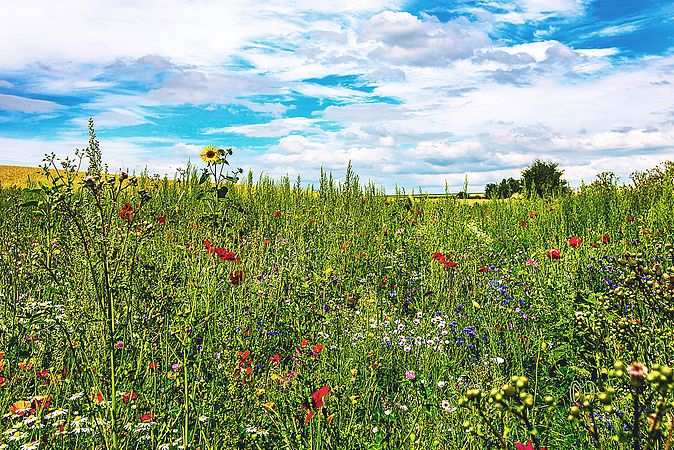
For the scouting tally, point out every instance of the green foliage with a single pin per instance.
(139, 312)
(543, 178)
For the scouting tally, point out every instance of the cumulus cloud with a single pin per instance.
(406, 39)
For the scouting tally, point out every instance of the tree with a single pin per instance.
(504, 189)
(544, 178)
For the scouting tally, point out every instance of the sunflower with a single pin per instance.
(211, 155)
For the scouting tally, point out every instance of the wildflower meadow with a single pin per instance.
(219, 310)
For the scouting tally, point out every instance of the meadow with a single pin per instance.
(138, 313)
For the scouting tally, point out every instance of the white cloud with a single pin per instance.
(408, 40)
(26, 105)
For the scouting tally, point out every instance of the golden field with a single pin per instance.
(19, 176)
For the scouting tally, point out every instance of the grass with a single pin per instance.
(339, 320)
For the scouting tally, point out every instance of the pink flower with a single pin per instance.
(532, 263)
(176, 367)
(410, 375)
(119, 345)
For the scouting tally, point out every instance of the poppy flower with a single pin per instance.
(451, 264)
(236, 277)
(148, 417)
(317, 349)
(226, 255)
(162, 219)
(533, 214)
(523, 224)
(483, 269)
(126, 213)
(277, 213)
(554, 254)
(310, 414)
(152, 365)
(208, 246)
(129, 396)
(439, 257)
(630, 219)
(317, 397)
(575, 242)
(605, 239)
(275, 359)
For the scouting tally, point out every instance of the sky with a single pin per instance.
(416, 94)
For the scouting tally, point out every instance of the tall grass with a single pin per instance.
(334, 286)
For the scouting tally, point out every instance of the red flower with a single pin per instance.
(244, 356)
(554, 254)
(304, 343)
(128, 396)
(236, 277)
(275, 359)
(523, 224)
(127, 212)
(226, 255)
(310, 414)
(317, 349)
(483, 269)
(162, 219)
(149, 417)
(451, 264)
(533, 214)
(317, 396)
(277, 213)
(209, 246)
(152, 365)
(439, 257)
(575, 242)
(605, 239)
(630, 219)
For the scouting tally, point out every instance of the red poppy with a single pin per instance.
(605, 239)
(277, 213)
(317, 349)
(630, 219)
(275, 359)
(533, 214)
(226, 255)
(575, 242)
(451, 264)
(266, 242)
(317, 396)
(244, 356)
(483, 269)
(149, 417)
(236, 277)
(209, 246)
(523, 224)
(304, 343)
(554, 254)
(127, 212)
(128, 396)
(152, 365)
(162, 219)
(439, 257)
(310, 414)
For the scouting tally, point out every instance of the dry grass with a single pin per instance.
(18, 176)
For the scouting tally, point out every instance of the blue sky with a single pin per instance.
(414, 93)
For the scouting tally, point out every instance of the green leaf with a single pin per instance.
(204, 177)
(222, 192)
(27, 204)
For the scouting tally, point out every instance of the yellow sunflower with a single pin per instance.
(211, 155)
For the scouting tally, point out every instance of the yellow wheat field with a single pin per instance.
(18, 176)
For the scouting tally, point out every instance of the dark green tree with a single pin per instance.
(544, 178)
(504, 189)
